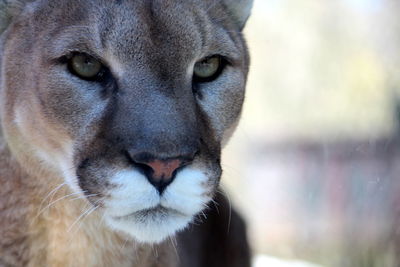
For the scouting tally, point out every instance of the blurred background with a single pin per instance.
(314, 165)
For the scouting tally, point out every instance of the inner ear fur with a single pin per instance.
(240, 10)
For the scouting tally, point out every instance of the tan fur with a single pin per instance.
(77, 250)
(53, 242)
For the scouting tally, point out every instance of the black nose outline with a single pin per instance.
(142, 160)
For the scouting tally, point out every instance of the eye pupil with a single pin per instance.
(207, 69)
(85, 66)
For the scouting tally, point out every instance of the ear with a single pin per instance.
(240, 10)
(8, 10)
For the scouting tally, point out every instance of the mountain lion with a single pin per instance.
(113, 113)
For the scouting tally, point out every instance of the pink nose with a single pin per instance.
(163, 170)
(160, 172)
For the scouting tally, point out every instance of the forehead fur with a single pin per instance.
(140, 12)
(239, 10)
(144, 33)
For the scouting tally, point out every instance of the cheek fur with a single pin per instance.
(222, 103)
(49, 145)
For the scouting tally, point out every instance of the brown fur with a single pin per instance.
(64, 139)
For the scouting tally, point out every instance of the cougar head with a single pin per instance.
(127, 101)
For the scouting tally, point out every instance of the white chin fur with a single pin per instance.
(155, 228)
(136, 208)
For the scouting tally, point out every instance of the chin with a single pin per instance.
(135, 208)
(150, 226)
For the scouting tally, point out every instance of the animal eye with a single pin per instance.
(85, 66)
(208, 69)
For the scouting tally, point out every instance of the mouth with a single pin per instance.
(150, 214)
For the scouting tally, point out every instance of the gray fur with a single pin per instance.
(8, 10)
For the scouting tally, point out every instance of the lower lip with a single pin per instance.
(152, 211)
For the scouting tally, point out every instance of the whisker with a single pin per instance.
(52, 193)
(226, 195)
(204, 215)
(230, 210)
(155, 251)
(101, 221)
(216, 204)
(84, 214)
(124, 244)
(53, 202)
(84, 196)
(174, 244)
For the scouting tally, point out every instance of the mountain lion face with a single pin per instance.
(128, 102)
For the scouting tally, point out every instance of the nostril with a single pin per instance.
(147, 170)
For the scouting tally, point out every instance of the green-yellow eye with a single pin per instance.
(85, 66)
(207, 69)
